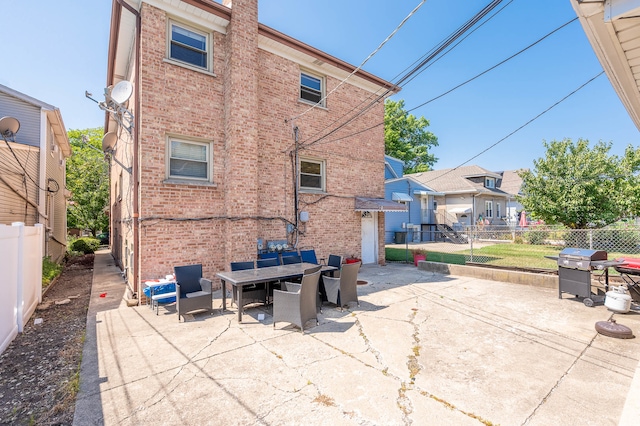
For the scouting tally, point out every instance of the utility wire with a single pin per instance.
(524, 125)
(371, 55)
(443, 45)
(463, 83)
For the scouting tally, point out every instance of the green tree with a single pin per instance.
(406, 137)
(582, 187)
(88, 181)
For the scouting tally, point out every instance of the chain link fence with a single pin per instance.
(512, 247)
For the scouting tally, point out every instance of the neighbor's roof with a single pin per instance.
(511, 182)
(613, 29)
(457, 180)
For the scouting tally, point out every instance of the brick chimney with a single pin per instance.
(241, 128)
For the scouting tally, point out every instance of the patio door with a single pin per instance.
(369, 237)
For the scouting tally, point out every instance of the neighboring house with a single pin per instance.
(418, 222)
(613, 29)
(467, 196)
(511, 184)
(219, 149)
(33, 169)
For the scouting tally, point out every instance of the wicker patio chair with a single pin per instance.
(344, 289)
(193, 292)
(298, 304)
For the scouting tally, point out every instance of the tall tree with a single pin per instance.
(406, 137)
(582, 187)
(88, 181)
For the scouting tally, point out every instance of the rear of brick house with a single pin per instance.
(217, 114)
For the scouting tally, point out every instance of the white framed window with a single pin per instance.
(311, 88)
(312, 175)
(189, 160)
(498, 212)
(488, 209)
(189, 45)
(489, 182)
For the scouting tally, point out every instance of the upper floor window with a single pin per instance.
(312, 175)
(189, 45)
(489, 182)
(189, 160)
(311, 88)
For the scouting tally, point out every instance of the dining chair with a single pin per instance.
(252, 293)
(193, 292)
(298, 304)
(309, 256)
(335, 261)
(270, 255)
(344, 289)
(291, 259)
(265, 263)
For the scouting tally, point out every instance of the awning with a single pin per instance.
(378, 205)
(460, 210)
(401, 196)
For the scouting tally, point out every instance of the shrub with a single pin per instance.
(536, 237)
(85, 245)
(50, 270)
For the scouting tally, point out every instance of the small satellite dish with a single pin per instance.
(122, 91)
(109, 141)
(9, 126)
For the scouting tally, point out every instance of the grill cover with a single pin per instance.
(576, 258)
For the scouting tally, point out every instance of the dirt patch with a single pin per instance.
(40, 370)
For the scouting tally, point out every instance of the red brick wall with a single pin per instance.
(242, 109)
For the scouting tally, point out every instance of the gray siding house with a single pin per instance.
(33, 169)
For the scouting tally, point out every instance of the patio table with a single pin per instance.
(239, 279)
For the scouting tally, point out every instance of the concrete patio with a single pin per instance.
(422, 348)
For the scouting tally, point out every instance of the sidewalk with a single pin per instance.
(422, 347)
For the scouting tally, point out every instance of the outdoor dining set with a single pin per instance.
(293, 284)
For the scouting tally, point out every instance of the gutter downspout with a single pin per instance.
(134, 164)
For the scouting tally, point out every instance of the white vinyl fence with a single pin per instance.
(21, 251)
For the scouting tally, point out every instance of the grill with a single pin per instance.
(574, 273)
(629, 270)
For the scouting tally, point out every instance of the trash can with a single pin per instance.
(400, 237)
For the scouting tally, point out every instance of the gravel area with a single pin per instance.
(40, 370)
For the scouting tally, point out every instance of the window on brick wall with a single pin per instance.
(312, 175)
(189, 160)
(311, 88)
(189, 46)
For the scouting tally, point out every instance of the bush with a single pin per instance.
(536, 237)
(85, 245)
(50, 270)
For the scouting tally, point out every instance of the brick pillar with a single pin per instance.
(241, 130)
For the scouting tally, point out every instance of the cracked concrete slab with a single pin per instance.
(422, 348)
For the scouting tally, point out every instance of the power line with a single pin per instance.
(371, 55)
(525, 124)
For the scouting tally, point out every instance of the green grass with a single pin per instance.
(517, 255)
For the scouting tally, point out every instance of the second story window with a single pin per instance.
(489, 182)
(311, 88)
(312, 175)
(189, 46)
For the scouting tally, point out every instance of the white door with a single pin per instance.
(369, 237)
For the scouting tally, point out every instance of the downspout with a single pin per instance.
(134, 164)
(295, 187)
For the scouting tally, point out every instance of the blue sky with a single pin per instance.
(58, 50)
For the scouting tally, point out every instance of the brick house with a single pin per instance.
(33, 169)
(218, 148)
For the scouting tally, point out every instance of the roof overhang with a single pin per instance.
(364, 204)
(613, 29)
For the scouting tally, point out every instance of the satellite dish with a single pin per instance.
(109, 141)
(9, 126)
(121, 92)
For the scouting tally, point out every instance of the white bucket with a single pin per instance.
(618, 300)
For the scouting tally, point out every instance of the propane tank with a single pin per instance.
(618, 300)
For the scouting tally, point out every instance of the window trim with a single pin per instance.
(488, 208)
(189, 179)
(323, 175)
(323, 85)
(208, 48)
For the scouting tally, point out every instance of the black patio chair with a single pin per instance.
(193, 293)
